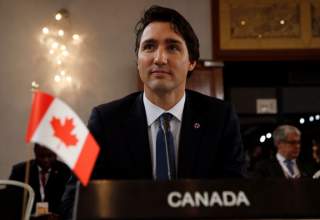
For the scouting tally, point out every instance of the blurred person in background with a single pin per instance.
(285, 164)
(47, 177)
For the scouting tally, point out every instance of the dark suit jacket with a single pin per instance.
(271, 168)
(214, 150)
(55, 186)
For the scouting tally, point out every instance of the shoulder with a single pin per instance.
(201, 99)
(119, 105)
(209, 106)
(22, 165)
(18, 170)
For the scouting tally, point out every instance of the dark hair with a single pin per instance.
(179, 24)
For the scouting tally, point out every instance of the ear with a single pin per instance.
(192, 65)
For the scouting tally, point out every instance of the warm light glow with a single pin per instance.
(262, 139)
(65, 53)
(45, 30)
(58, 16)
(60, 33)
(57, 78)
(243, 23)
(69, 78)
(311, 118)
(54, 45)
(282, 22)
(34, 85)
(63, 47)
(76, 37)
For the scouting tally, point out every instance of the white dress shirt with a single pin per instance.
(296, 172)
(41, 184)
(153, 112)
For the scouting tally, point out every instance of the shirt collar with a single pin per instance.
(40, 169)
(282, 158)
(153, 111)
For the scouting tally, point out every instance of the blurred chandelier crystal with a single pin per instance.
(61, 45)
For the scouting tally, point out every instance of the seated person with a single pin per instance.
(316, 153)
(47, 177)
(284, 164)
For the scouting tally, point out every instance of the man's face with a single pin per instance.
(163, 59)
(44, 157)
(290, 148)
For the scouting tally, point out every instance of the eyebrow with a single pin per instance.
(167, 41)
(173, 41)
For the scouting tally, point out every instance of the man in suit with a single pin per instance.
(285, 164)
(205, 134)
(164, 132)
(47, 177)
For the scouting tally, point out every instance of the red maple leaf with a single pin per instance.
(63, 131)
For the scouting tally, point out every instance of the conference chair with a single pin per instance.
(16, 200)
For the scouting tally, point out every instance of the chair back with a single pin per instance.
(16, 200)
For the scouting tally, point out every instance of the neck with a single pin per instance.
(165, 100)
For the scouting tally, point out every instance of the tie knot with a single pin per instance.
(288, 162)
(165, 119)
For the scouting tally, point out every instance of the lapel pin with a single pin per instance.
(196, 125)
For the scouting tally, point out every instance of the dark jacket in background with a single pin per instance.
(272, 168)
(55, 186)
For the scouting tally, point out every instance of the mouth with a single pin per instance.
(159, 72)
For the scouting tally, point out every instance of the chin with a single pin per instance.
(161, 87)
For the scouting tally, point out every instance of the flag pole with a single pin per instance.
(26, 180)
(34, 87)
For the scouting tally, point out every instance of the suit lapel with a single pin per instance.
(137, 130)
(34, 179)
(190, 139)
(277, 169)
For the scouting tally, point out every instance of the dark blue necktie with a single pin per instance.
(165, 152)
(289, 164)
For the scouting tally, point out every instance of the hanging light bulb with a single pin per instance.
(54, 45)
(63, 47)
(45, 30)
(57, 78)
(61, 33)
(58, 16)
(34, 85)
(76, 37)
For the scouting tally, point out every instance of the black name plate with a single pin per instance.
(196, 199)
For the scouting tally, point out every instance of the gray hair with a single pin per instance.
(281, 133)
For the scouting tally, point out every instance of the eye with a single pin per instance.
(148, 47)
(173, 47)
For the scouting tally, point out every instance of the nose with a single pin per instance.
(160, 57)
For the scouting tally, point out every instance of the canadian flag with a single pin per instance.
(54, 124)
